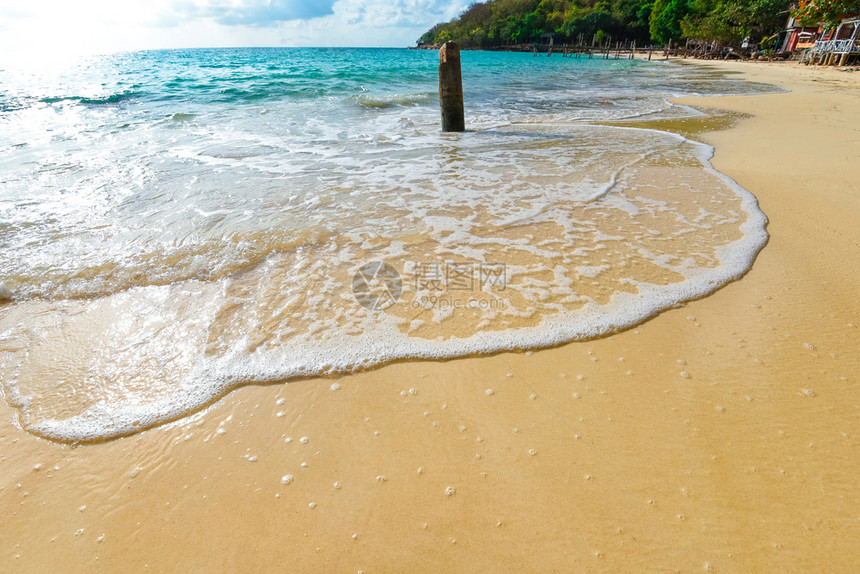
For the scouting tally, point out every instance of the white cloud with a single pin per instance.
(246, 12)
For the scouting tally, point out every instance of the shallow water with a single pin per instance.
(177, 224)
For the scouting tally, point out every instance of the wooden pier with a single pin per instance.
(606, 51)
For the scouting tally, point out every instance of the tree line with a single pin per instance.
(498, 23)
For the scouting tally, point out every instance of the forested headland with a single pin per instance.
(498, 23)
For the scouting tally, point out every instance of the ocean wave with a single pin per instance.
(392, 101)
(96, 100)
(581, 230)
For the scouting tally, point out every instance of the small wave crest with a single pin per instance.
(392, 101)
(95, 100)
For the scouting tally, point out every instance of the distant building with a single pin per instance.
(799, 37)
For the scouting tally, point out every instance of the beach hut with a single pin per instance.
(799, 37)
(840, 46)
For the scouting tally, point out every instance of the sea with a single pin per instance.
(176, 224)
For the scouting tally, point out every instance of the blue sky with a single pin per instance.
(98, 26)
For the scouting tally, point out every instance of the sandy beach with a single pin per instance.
(720, 435)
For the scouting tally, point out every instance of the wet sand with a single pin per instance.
(719, 435)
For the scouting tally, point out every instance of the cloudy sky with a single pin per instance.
(98, 26)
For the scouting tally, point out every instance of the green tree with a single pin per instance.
(665, 20)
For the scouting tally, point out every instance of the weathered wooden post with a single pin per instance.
(451, 88)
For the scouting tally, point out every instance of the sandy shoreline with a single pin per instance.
(719, 435)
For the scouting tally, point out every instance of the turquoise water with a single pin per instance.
(175, 224)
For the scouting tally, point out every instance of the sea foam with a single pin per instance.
(306, 217)
(586, 246)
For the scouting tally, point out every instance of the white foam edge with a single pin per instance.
(385, 343)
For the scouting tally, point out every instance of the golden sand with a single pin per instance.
(720, 435)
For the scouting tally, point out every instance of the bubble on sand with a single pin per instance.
(489, 392)
(334, 386)
(413, 392)
(809, 392)
(381, 478)
(312, 505)
(336, 485)
(685, 374)
(303, 440)
(681, 362)
(576, 395)
(279, 414)
(287, 479)
(220, 431)
(279, 402)
(532, 452)
(420, 470)
(809, 346)
(136, 471)
(82, 508)
(288, 440)
(450, 490)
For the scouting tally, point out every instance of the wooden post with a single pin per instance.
(451, 88)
